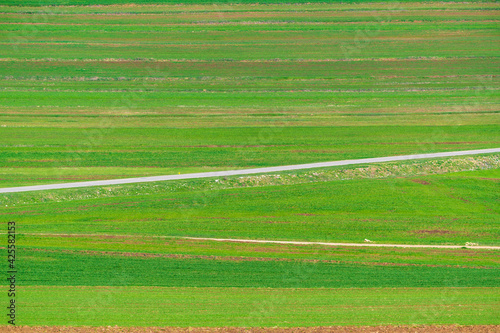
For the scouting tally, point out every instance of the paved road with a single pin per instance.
(245, 171)
(237, 240)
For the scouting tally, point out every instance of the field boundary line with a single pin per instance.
(239, 240)
(245, 171)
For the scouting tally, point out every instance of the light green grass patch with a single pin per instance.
(254, 307)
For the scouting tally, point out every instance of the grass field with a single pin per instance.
(431, 209)
(163, 89)
(110, 89)
(258, 307)
(154, 151)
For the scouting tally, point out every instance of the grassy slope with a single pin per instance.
(418, 285)
(408, 70)
(424, 79)
(428, 209)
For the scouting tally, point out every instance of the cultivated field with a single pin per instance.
(109, 89)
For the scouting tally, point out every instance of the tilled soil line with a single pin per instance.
(340, 329)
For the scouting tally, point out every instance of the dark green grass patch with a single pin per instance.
(93, 269)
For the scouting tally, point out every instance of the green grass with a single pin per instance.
(97, 152)
(390, 210)
(40, 175)
(273, 99)
(339, 49)
(255, 307)
(200, 87)
(79, 269)
(196, 248)
(235, 86)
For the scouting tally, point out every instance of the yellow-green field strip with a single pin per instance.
(245, 171)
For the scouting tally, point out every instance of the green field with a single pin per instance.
(447, 209)
(109, 89)
(129, 241)
(156, 151)
(166, 89)
(261, 307)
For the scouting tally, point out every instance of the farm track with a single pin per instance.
(368, 244)
(244, 171)
(235, 240)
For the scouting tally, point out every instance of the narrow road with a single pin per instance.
(239, 240)
(245, 171)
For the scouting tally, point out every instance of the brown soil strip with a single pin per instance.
(339, 329)
(435, 231)
(100, 205)
(270, 19)
(117, 60)
(420, 181)
(250, 14)
(492, 179)
(19, 213)
(307, 214)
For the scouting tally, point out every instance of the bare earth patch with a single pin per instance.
(492, 179)
(340, 329)
(420, 181)
(435, 231)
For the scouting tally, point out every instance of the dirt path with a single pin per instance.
(367, 244)
(238, 240)
(245, 171)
